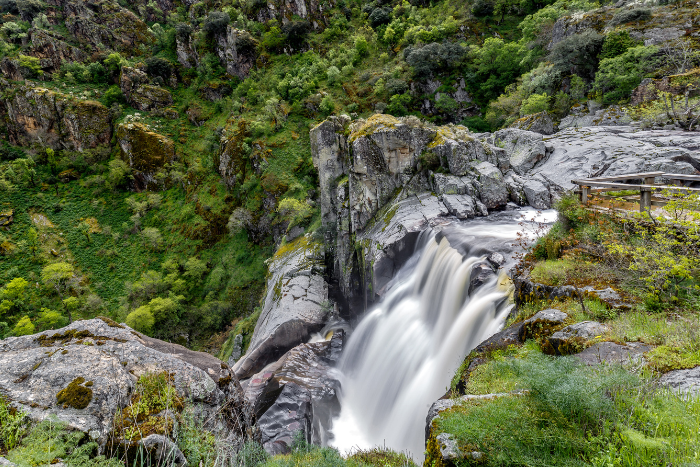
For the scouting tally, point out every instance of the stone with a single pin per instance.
(237, 351)
(448, 447)
(5, 463)
(34, 369)
(611, 352)
(37, 115)
(543, 323)
(52, 51)
(524, 148)
(237, 51)
(161, 450)
(291, 310)
(492, 188)
(291, 413)
(443, 184)
(574, 338)
(460, 206)
(145, 151)
(537, 194)
(137, 90)
(539, 123)
(684, 381)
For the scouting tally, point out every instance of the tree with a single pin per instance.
(32, 241)
(496, 64)
(617, 77)
(152, 237)
(50, 319)
(578, 54)
(165, 310)
(71, 304)
(56, 276)
(141, 320)
(534, 104)
(24, 327)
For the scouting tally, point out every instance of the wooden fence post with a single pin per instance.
(645, 195)
(584, 194)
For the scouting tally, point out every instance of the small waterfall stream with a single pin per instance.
(404, 352)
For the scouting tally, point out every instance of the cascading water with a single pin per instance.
(402, 355)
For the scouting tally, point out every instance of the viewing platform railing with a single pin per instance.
(588, 186)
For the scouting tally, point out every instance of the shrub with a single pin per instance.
(578, 53)
(23, 327)
(296, 32)
(156, 66)
(141, 319)
(482, 8)
(628, 16)
(113, 95)
(361, 46)
(380, 16)
(395, 86)
(327, 106)
(534, 104)
(617, 43)
(399, 104)
(434, 57)
(445, 104)
(31, 66)
(619, 76)
(13, 425)
(294, 211)
(496, 64)
(333, 74)
(216, 22)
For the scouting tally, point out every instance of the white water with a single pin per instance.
(402, 355)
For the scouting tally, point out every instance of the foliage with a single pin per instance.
(616, 43)
(535, 103)
(13, 425)
(433, 58)
(578, 54)
(141, 319)
(619, 76)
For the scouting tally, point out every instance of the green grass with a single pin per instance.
(572, 415)
(552, 272)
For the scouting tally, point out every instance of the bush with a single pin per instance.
(332, 74)
(296, 32)
(141, 319)
(380, 16)
(31, 66)
(496, 64)
(399, 104)
(617, 43)
(536, 103)
(13, 425)
(113, 95)
(578, 54)
(361, 47)
(156, 66)
(628, 16)
(395, 86)
(434, 57)
(216, 22)
(327, 106)
(619, 76)
(482, 8)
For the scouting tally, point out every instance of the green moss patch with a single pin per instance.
(75, 395)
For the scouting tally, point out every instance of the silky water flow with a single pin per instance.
(404, 352)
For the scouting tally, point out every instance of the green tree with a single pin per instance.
(32, 241)
(534, 104)
(56, 276)
(617, 77)
(50, 319)
(165, 310)
(23, 327)
(141, 320)
(71, 304)
(496, 64)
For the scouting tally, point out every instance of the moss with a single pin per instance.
(75, 395)
(667, 358)
(110, 322)
(64, 338)
(375, 123)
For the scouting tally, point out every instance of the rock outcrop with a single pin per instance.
(145, 151)
(539, 123)
(84, 373)
(236, 50)
(139, 93)
(56, 120)
(52, 51)
(294, 306)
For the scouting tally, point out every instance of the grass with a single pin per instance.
(572, 415)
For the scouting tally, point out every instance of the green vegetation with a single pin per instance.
(571, 414)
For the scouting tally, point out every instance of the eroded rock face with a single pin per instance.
(38, 115)
(292, 309)
(145, 151)
(48, 47)
(236, 50)
(524, 148)
(538, 123)
(139, 93)
(35, 369)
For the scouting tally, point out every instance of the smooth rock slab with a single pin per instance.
(683, 381)
(610, 352)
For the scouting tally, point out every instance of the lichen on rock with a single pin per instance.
(75, 394)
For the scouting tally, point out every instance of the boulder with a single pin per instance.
(574, 338)
(93, 365)
(443, 184)
(52, 51)
(537, 194)
(460, 206)
(542, 324)
(684, 381)
(611, 352)
(161, 450)
(492, 187)
(456, 150)
(137, 91)
(524, 148)
(5, 463)
(186, 51)
(292, 309)
(539, 123)
(38, 115)
(290, 414)
(145, 151)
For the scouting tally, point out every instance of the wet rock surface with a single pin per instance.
(34, 369)
(292, 309)
(145, 151)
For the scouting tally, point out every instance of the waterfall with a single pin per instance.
(404, 352)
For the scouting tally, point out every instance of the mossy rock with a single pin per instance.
(75, 394)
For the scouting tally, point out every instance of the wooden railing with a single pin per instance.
(587, 186)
